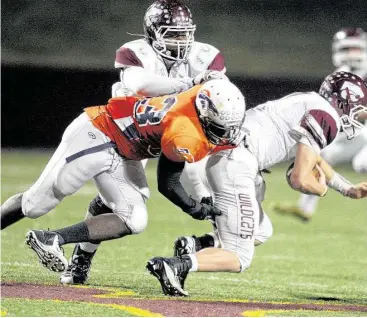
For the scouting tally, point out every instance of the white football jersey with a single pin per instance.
(140, 53)
(275, 128)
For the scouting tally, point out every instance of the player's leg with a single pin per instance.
(123, 189)
(122, 192)
(55, 181)
(83, 153)
(233, 185)
(359, 162)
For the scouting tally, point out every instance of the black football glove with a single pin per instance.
(203, 211)
(207, 200)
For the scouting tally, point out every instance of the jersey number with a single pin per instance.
(146, 114)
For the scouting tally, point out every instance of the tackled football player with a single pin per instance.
(106, 144)
(295, 127)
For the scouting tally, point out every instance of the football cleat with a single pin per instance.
(186, 245)
(78, 269)
(171, 273)
(46, 245)
(290, 209)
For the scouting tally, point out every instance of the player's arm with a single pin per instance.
(302, 178)
(168, 177)
(316, 130)
(339, 183)
(143, 82)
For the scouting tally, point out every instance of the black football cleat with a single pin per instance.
(78, 269)
(186, 245)
(171, 273)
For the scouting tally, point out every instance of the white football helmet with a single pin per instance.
(221, 109)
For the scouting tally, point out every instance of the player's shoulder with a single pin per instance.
(201, 47)
(317, 103)
(203, 55)
(135, 53)
(136, 45)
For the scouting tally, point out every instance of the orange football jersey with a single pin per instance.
(144, 127)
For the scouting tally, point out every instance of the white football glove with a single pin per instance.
(208, 75)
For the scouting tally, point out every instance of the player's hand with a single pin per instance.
(207, 76)
(358, 191)
(207, 200)
(206, 212)
(203, 211)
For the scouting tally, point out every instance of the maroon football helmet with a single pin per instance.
(169, 28)
(347, 93)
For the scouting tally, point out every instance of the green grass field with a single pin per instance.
(321, 261)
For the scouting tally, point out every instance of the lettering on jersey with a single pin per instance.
(185, 154)
(146, 114)
(321, 126)
(247, 224)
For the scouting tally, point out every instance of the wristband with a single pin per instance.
(324, 193)
(338, 183)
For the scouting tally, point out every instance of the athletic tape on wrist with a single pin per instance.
(340, 184)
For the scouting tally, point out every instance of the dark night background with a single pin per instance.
(57, 56)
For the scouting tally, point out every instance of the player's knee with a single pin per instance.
(244, 259)
(30, 209)
(244, 253)
(359, 164)
(97, 207)
(137, 219)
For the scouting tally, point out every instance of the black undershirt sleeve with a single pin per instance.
(168, 177)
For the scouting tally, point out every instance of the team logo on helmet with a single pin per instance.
(207, 103)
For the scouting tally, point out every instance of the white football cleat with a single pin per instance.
(46, 245)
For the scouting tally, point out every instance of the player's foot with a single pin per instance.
(171, 273)
(78, 269)
(186, 245)
(46, 245)
(290, 209)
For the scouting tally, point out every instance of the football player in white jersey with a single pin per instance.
(297, 127)
(166, 60)
(349, 50)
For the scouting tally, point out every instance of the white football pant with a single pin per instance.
(238, 190)
(86, 153)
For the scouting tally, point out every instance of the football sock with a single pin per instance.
(94, 230)
(194, 262)
(11, 211)
(87, 246)
(308, 203)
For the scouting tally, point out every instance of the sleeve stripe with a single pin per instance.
(321, 125)
(218, 63)
(126, 57)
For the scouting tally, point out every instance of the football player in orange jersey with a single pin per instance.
(106, 144)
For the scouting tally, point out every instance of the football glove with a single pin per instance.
(207, 76)
(203, 211)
